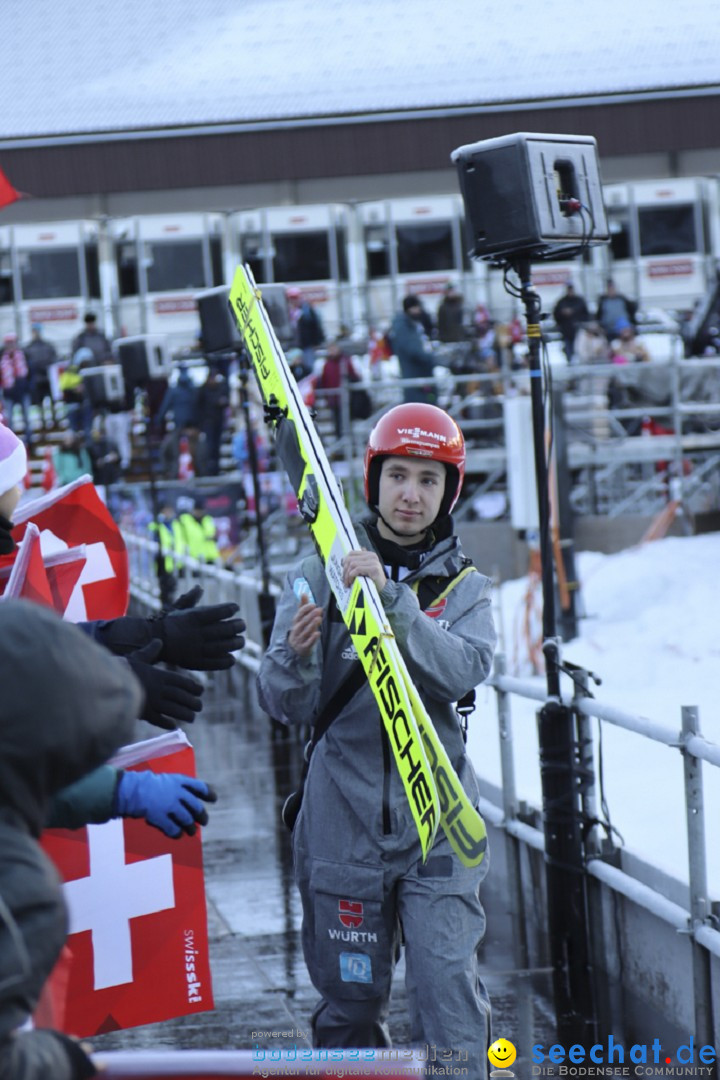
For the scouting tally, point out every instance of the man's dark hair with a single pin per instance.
(411, 302)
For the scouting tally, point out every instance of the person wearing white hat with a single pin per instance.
(13, 468)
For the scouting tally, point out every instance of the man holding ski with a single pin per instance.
(358, 860)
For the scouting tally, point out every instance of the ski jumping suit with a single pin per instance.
(356, 850)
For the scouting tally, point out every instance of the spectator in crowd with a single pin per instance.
(307, 326)
(241, 452)
(612, 306)
(626, 347)
(180, 401)
(482, 321)
(195, 531)
(488, 345)
(40, 355)
(592, 347)
(71, 459)
(413, 350)
(94, 339)
(77, 406)
(213, 400)
(104, 454)
(637, 382)
(426, 320)
(338, 371)
(569, 314)
(184, 453)
(117, 416)
(15, 384)
(451, 316)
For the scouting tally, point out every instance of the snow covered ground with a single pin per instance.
(651, 634)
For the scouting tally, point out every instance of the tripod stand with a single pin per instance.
(561, 772)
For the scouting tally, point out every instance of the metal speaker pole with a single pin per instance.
(560, 771)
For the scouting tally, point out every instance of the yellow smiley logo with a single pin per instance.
(502, 1053)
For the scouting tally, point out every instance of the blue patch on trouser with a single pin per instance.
(355, 967)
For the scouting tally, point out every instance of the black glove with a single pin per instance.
(170, 696)
(200, 638)
(187, 600)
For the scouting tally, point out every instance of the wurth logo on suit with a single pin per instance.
(351, 914)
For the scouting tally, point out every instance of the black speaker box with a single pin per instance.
(143, 357)
(274, 298)
(104, 385)
(521, 195)
(217, 326)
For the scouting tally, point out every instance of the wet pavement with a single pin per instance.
(259, 978)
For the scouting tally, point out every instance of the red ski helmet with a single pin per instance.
(418, 430)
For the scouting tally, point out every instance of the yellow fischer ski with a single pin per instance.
(434, 792)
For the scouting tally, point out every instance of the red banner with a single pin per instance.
(138, 948)
(76, 515)
(54, 313)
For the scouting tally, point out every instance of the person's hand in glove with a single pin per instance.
(171, 802)
(200, 638)
(170, 696)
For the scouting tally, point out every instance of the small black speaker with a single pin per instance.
(274, 297)
(104, 385)
(531, 195)
(217, 326)
(143, 357)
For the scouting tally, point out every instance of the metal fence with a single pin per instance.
(697, 921)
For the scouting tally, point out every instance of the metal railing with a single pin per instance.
(697, 920)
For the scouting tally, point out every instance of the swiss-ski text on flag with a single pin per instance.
(138, 948)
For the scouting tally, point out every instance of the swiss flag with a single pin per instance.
(26, 577)
(45, 581)
(137, 951)
(76, 515)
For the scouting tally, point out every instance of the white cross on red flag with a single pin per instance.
(75, 515)
(50, 581)
(137, 951)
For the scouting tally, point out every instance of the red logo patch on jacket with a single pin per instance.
(350, 913)
(436, 609)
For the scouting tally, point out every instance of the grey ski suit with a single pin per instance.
(356, 850)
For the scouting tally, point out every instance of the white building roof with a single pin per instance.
(115, 65)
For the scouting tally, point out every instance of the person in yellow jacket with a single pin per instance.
(194, 531)
(163, 529)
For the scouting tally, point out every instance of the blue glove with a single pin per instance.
(169, 801)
